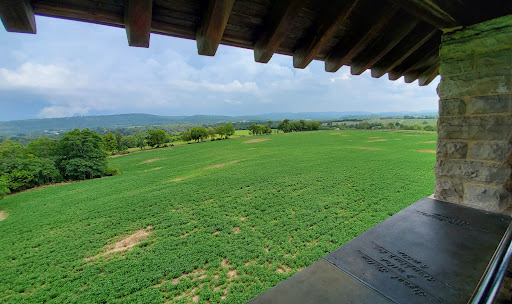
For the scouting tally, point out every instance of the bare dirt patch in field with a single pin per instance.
(127, 243)
(3, 215)
(377, 140)
(252, 148)
(236, 230)
(178, 179)
(428, 142)
(427, 151)
(150, 160)
(154, 169)
(373, 137)
(256, 140)
(339, 134)
(222, 165)
(368, 148)
(284, 269)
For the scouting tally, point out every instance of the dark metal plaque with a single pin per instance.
(320, 283)
(430, 252)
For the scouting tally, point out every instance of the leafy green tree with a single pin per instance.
(186, 136)
(119, 141)
(429, 128)
(284, 126)
(156, 138)
(312, 125)
(221, 130)
(254, 129)
(140, 140)
(266, 129)
(4, 188)
(211, 132)
(110, 143)
(198, 133)
(43, 147)
(81, 155)
(11, 150)
(230, 130)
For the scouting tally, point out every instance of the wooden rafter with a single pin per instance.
(137, 19)
(430, 12)
(387, 41)
(427, 77)
(280, 20)
(388, 63)
(341, 55)
(323, 31)
(424, 56)
(18, 16)
(215, 18)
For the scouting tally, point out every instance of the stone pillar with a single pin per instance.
(474, 146)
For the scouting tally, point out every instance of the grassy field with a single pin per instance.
(214, 222)
(408, 122)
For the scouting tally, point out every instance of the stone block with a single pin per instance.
(493, 104)
(476, 84)
(488, 128)
(452, 149)
(475, 171)
(457, 66)
(494, 151)
(452, 107)
(448, 190)
(492, 61)
(486, 197)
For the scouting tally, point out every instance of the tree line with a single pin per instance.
(286, 126)
(78, 155)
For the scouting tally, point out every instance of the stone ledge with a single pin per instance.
(490, 104)
(480, 128)
(449, 190)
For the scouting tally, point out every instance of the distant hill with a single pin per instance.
(53, 125)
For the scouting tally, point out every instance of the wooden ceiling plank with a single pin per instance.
(281, 18)
(415, 74)
(137, 18)
(427, 79)
(401, 55)
(337, 58)
(368, 58)
(215, 18)
(18, 16)
(429, 11)
(420, 59)
(324, 30)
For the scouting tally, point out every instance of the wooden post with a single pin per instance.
(18, 16)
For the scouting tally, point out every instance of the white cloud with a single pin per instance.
(40, 76)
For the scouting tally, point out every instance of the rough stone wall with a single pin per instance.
(474, 147)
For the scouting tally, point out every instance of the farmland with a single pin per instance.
(214, 222)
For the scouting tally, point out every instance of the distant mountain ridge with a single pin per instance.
(50, 125)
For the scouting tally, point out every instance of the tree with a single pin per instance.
(4, 189)
(186, 136)
(43, 147)
(81, 155)
(10, 150)
(156, 138)
(211, 132)
(110, 143)
(254, 129)
(230, 130)
(140, 140)
(429, 128)
(221, 130)
(198, 134)
(119, 140)
(284, 126)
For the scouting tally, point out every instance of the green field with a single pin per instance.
(408, 122)
(214, 222)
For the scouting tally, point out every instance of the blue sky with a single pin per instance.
(72, 68)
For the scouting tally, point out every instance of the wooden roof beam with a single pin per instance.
(389, 63)
(427, 77)
(341, 55)
(316, 39)
(434, 53)
(18, 16)
(281, 18)
(215, 18)
(137, 20)
(371, 55)
(430, 12)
